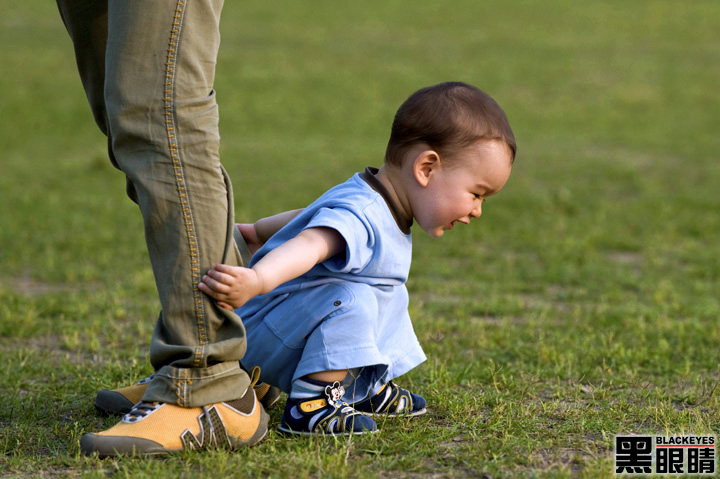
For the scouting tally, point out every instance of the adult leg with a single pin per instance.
(86, 22)
(161, 119)
(148, 71)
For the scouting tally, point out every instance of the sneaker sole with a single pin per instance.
(419, 413)
(290, 432)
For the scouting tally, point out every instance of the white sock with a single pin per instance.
(306, 388)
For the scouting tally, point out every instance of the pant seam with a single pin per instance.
(183, 195)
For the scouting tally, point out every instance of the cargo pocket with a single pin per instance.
(296, 317)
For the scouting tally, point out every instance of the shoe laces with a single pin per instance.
(140, 411)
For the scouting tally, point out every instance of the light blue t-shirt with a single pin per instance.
(349, 312)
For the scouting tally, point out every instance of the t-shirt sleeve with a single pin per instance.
(355, 231)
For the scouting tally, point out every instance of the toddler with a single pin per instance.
(324, 301)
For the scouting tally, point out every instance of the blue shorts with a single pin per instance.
(332, 326)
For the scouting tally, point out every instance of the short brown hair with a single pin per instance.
(447, 117)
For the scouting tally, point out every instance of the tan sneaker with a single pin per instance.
(267, 395)
(122, 400)
(159, 428)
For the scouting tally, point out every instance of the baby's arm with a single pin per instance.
(258, 233)
(266, 227)
(233, 286)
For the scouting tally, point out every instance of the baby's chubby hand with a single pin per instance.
(230, 286)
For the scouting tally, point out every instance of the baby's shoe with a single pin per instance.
(392, 401)
(324, 414)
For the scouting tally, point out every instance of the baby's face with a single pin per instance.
(454, 193)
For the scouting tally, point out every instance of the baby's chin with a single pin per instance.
(436, 232)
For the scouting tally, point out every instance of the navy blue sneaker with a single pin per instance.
(392, 401)
(325, 414)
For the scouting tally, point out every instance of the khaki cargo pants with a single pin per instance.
(148, 68)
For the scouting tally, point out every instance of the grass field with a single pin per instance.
(583, 305)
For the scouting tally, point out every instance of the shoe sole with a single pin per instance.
(419, 413)
(290, 432)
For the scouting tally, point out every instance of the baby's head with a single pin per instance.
(447, 117)
(452, 147)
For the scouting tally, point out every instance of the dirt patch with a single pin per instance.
(52, 346)
(28, 286)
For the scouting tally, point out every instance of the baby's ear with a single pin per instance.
(424, 165)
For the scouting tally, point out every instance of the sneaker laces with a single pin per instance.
(140, 411)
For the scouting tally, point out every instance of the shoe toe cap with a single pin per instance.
(418, 402)
(112, 402)
(363, 423)
(119, 445)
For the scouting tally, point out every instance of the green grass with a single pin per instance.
(583, 305)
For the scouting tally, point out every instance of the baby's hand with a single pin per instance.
(230, 286)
